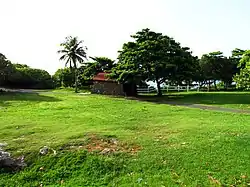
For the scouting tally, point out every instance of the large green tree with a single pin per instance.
(215, 66)
(242, 79)
(235, 60)
(185, 68)
(236, 56)
(64, 78)
(210, 66)
(73, 52)
(152, 57)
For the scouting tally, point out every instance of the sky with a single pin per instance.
(31, 30)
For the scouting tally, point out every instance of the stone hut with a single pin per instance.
(103, 85)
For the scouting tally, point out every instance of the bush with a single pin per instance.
(26, 77)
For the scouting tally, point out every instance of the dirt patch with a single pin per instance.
(103, 145)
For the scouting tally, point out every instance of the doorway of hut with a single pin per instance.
(130, 90)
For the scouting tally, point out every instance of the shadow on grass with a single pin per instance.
(200, 98)
(30, 97)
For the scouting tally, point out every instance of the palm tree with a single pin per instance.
(103, 63)
(73, 52)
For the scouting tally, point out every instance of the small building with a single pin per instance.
(103, 85)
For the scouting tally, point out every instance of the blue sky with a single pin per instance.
(31, 31)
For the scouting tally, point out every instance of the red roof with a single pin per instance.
(101, 77)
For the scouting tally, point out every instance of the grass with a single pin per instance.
(179, 146)
(238, 100)
(85, 89)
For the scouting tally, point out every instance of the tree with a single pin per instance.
(236, 56)
(227, 72)
(238, 53)
(235, 60)
(22, 76)
(186, 67)
(25, 77)
(5, 69)
(73, 52)
(64, 77)
(242, 79)
(215, 67)
(100, 64)
(152, 57)
(21, 66)
(103, 64)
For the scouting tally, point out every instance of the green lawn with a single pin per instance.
(239, 100)
(177, 146)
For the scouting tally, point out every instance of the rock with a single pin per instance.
(6, 161)
(114, 141)
(4, 154)
(44, 150)
(106, 151)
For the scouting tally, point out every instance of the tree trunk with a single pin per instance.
(76, 81)
(208, 87)
(62, 81)
(226, 84)
(215, 86)
(159, 93)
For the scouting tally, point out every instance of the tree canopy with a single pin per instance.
(151, 57)
(243, 78)
(23, 76)
(5, 69)
(99, 64)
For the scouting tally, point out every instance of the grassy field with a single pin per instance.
(158, 144)
(238, 100)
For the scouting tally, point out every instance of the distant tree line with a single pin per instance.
(156, 57)
(151, 56)
(22, 76)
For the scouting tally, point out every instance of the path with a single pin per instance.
(197, 106)
(209, 107)
(17, 90)
(38, 91)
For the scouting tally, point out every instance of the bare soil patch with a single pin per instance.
(103, 145)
